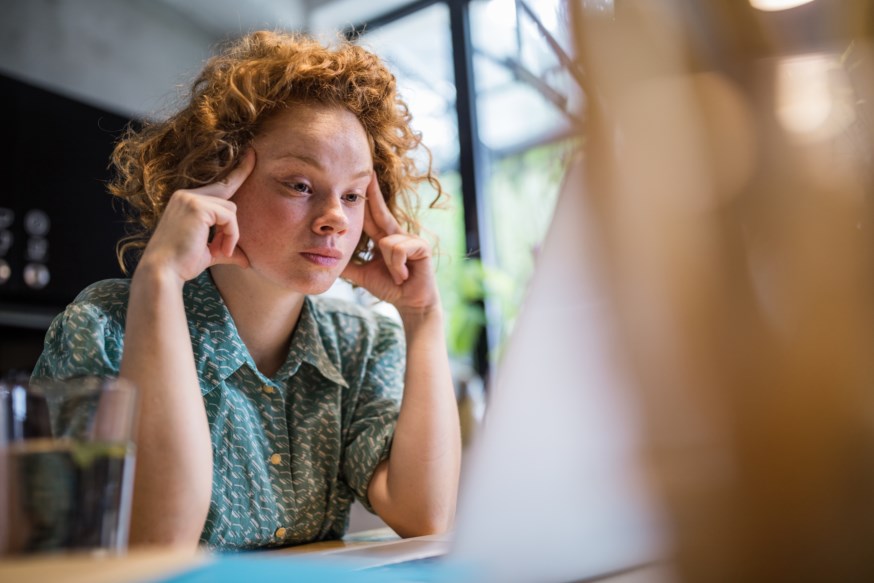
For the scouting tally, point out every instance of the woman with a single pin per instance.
(263, 410)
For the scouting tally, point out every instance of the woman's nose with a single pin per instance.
(330, 217)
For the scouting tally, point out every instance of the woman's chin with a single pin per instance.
(315, 290)
(315, 286)
(303, 283)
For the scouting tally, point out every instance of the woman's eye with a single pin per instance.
(353, 198)
(301, 187)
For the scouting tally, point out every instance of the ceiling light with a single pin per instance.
(775, 5)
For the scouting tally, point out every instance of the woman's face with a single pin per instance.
(301, 210)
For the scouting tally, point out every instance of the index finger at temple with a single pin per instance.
(379, 211)
(226, 187)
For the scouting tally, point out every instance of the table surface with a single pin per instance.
(147, 565)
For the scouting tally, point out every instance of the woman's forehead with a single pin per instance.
(309, 133)
(311, 117)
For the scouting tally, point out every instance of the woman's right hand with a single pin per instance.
(181, 243)
(173, 481)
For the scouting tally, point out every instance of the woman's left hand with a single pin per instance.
(401, 271)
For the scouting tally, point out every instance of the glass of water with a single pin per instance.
(67, 458)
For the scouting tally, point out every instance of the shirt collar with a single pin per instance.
(308, 344)
(219, 351)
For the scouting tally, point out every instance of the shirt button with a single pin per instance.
(275, 459)
(267, 389)
(280, 532)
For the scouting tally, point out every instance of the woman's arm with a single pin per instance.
(414, 491)
(173, 477)
(173, 480)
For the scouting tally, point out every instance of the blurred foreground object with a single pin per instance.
(730, 178)
(66, 465)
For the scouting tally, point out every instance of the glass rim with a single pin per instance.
(71, 386)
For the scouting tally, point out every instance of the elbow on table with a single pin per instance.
(424, 524)
(177, 537)
(174, 526)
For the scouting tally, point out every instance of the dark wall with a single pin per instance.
(58, 225)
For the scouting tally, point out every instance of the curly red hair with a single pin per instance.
(240, 88)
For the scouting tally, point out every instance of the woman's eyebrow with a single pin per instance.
(366, 173)
(310, 161)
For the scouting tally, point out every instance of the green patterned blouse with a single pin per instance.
(290, 452)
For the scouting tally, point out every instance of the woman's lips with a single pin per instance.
(323, 257)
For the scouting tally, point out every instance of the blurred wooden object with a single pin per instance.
(730, 178)
(150, 565)
(136, 566)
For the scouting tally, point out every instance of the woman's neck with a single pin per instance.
(265, 315)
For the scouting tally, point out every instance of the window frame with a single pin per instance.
(471, 161)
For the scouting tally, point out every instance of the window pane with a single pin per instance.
(422, 63)
(418, 49)
(524, 91)
(527, 101)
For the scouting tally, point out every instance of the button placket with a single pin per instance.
(270, 401)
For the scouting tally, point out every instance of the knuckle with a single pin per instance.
(179, 203)
(185, 198)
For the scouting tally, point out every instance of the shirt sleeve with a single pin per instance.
(370, 433)
(82, 341)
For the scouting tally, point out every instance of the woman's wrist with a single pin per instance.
(423, 318)
(152, 274)
(420, 313)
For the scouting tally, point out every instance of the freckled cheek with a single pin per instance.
(274, 235)
(265, 225)
(250, 221)
(355, 230)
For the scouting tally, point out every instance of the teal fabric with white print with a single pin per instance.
(290, 452)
